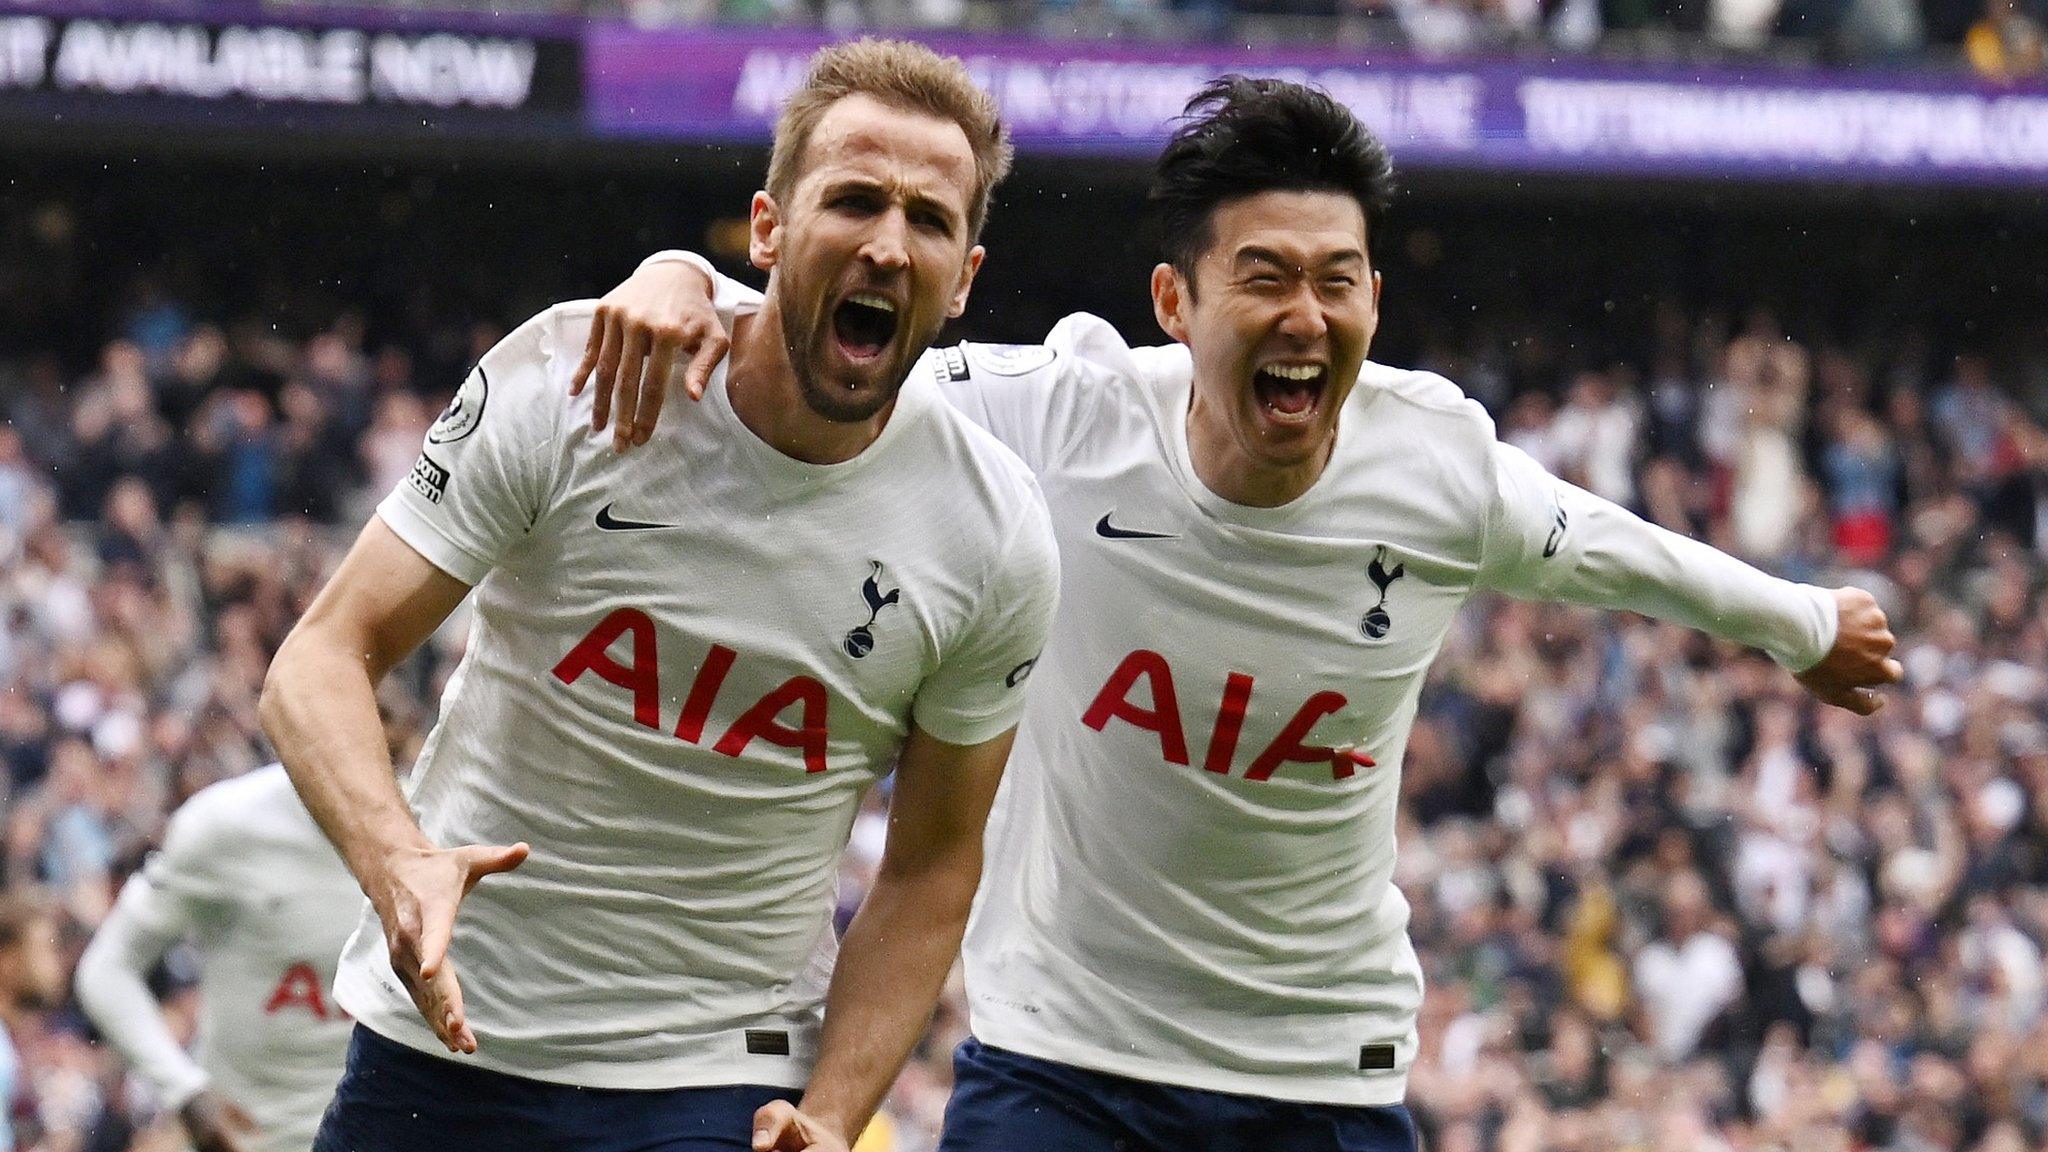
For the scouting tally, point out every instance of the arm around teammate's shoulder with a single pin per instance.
(675, 307)
(1550, 540)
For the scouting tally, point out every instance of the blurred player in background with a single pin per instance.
(246, 874)
(686, 668)
(1189, 936)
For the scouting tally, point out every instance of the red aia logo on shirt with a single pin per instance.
(1163, 717)
(300, 987)
(641, 677)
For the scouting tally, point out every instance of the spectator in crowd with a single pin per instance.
(1862, 478)
(2007, 44)
(1689, 976)
(1768, 378)
(1595, 436)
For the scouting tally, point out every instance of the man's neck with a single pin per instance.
(762, 386)
(1226, 469)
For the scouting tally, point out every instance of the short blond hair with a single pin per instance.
(903, 75)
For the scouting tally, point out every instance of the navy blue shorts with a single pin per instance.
(393, 1099)
(1006, 1102)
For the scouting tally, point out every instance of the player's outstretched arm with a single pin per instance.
(901, 944)
(665, 310)
(1551, 540)
(319, 708)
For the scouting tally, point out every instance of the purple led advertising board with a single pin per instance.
(300, 70)
(1112, 98)
(224, 64)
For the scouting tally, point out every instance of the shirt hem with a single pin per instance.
(1366, 1090)
(711, 1071)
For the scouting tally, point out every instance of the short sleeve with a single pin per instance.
(977, 691)
(1038, 399)
(181, 882)
(483, 476)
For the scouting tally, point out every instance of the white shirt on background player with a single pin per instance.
(686, 665)
(1190, 868)
(246, 874)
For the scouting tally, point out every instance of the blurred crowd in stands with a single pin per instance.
(1665, 904)
(2003, 40)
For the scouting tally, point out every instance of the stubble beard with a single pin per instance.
(807, 347)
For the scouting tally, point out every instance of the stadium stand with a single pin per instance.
(1664, 903)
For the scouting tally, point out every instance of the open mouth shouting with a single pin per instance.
(1290, 393)
(863, 325)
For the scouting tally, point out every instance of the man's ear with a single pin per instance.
(1171, 297)
(958, 304)
(764, 232)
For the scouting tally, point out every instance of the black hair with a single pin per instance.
(1241, 136)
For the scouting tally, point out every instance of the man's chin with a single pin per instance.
(835, 402)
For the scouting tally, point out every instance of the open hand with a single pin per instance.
(417, 904)
(1861, 660)
(641, 326)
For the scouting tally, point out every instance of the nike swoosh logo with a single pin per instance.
(1108, 531)
(611, 523)
(1555, 540)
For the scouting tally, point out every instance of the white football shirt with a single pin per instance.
(249, 877)
(687, 665)
(1190, 874)
(1190, 868)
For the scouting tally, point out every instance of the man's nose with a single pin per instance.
(886, 247)
(1303, 318)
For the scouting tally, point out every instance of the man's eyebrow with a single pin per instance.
(1260, 254)
(922, 199)
(914, 199)
(841, 184)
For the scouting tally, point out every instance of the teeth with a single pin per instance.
(873, 300)
(1294, 371)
